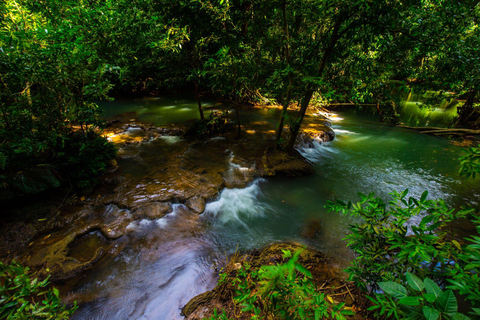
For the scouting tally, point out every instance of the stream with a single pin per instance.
(167, 261)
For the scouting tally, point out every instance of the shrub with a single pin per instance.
(285, 291)
(387, 248)
(22, 297)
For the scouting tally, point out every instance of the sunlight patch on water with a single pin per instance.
(340, 131)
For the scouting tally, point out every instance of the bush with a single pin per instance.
(285, 291)
(22, 297)
(85, 159)
(387, 249)
(202, 129)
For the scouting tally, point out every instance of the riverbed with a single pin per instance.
(162, 263)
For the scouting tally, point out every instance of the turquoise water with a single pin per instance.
(364, 157)
(159, 111)
(166, 262)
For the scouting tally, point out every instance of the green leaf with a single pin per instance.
(424, 196)
(432, 287)
(414, 313)
(430, 313)
(409, 301)
(429, 297)
(394, 289)
(347, 312)
(447, 303)
(415, 282)
(460, 316)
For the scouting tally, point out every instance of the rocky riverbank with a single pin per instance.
(156, 168)
(240, 267)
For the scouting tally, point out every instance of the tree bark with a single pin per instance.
(283, 115)
(309, 93)
(466, 111)
(197, 96)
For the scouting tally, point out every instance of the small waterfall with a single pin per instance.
(238, 204)
(237, 176)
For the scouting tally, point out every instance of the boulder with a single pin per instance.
(306, 138)
(312, 229)
(276, 162)
(196, 204)
(115, 223)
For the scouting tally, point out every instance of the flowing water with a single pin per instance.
(165, 262)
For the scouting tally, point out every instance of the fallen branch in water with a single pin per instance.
(442, 131)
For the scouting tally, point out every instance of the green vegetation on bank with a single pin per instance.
(25, 297)
(58, 57)
(410, 239)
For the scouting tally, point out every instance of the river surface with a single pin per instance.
(164, 263)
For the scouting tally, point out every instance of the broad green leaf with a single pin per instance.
(429, 297)
(432, 287)
(460, 316)
(415, 282)
(414, 313)
(430, 313)
(394, 289)
(447, 303)
(409, 301)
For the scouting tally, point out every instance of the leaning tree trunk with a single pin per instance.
(309, 93)
(283, 115)
(296, 126)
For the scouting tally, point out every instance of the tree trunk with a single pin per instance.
(197, 96)
(466, 111)
(239, 127)
(296, 126)
(285, 104)
(442, 131)
(309, 93)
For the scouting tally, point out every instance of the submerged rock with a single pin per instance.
(154, 210)
(312, 229)
(115, 223)
(52, 258)
(196, 204)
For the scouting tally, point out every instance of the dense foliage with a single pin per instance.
(24, 297)
(59, 57)
(282, 291)
(412, 237)
(49, 76)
